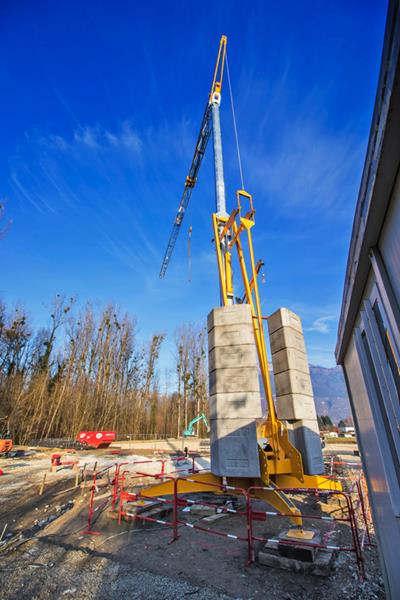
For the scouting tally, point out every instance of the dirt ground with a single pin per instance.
(47, 556)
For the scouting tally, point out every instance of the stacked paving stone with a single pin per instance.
(234, 392)
(294, 393)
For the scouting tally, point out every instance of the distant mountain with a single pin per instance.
(330, 392)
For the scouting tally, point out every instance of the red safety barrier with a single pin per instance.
(89, 531)
(224, 488)
(159, 475)
(355, 510)
(94, 489)
(119, 481)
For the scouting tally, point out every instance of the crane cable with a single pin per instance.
(234, 121)
(189, 254)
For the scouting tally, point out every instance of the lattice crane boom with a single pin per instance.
(190, 182)
(201, 145)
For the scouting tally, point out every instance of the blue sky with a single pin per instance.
(101, 105)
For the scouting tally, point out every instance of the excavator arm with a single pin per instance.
(189, 431)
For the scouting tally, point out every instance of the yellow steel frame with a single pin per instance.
(219, 68)
(282, 457)
(281, 464)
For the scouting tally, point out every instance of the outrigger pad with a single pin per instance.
(298, 558)
(303, 552)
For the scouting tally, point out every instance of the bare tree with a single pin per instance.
(88, 371)
(191, 374)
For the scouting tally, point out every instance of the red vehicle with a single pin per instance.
(96, 439)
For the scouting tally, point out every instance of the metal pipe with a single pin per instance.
(218, 160)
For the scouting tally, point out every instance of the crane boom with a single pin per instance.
(201, 145)
(190, 182)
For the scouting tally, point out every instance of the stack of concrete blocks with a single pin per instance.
(234, 392)
(294, 393)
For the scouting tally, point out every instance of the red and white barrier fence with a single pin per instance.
(355, 511)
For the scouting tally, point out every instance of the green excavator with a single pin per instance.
(190, 429)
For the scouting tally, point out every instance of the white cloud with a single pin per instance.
(50, 169)
(88, 136)
(309, 170)
(321, 325)
(99, 138)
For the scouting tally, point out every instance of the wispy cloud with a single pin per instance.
(50, 170)
(98, 138)
(115, 180)
(321, 325)
(309, 170)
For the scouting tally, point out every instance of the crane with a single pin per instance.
(280, 462)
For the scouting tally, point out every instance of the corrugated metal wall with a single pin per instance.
(371, 365)
(389, 243)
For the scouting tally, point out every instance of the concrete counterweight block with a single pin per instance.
(234, 450)
(284, 317)
(293, 382)
(234, 392)
(234, 380)
(225, 357)
(295, 406)
(237, 314)
(237, 404)
(294, 393)
(231, 335)
(305, 436)
(287, 337)
(290, 358)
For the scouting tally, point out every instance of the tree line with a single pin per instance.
(88, 370)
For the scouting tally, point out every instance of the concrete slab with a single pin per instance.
(293, 382)
(323, 564)
(243, 355)
(283, 317)
(290, 358)
(229, 315)
(237, 405)
(134, 510)
(295, 407)
(234, 449)
(201, 509)
(234, 380)
(287, 337)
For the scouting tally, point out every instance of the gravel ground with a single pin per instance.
(44, 573)
(129, 561)
(47, 572)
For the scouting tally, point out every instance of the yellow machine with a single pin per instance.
(6, 442)
(281, 463)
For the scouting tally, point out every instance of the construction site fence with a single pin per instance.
(118, 476)
(354, 508)
(148, 436)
